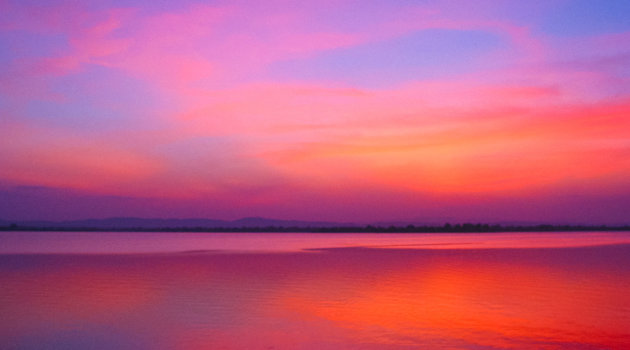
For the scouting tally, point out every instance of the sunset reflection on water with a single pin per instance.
(341, 298)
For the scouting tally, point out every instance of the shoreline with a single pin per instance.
(457, 228)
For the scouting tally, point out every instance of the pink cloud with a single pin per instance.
(88, 36)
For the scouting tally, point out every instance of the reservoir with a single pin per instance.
(113, 290)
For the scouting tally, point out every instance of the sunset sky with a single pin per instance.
(356, 111)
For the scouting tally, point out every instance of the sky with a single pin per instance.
(354, 111)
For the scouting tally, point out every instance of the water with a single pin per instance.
(314, 291)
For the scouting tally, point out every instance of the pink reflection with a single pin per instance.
(127, 242)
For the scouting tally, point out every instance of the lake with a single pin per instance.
(112, 290)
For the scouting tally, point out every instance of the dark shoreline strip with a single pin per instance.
(447, 228)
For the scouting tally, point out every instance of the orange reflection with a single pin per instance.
(498, 305)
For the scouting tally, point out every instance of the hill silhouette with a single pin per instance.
(258, 224)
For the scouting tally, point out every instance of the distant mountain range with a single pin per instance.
(129, 222)
(257, 224)
(266, 224)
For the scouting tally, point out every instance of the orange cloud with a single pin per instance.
(38, 156)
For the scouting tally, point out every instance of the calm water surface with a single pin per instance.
(314, 291)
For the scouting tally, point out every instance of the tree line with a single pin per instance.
(446, 228)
